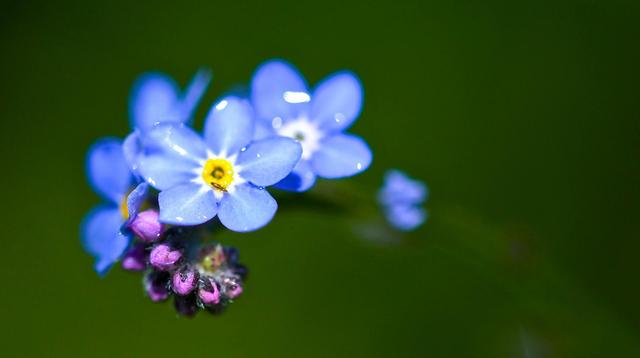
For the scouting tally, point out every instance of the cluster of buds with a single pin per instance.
(176, 264)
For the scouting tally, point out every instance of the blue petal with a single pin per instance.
(107, 169)
(278, 90)
(132, 148)
(187, 204)
(194, 92)
(175, 140)
(400, 189)
(267, 161)
(337, 102)
(229, 126)
(102, 237)
(247, 208)
(404, 217)
(164, 171)
(301, 178)
(154, 99)
(136, 198)
(341, 155)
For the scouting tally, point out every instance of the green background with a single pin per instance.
(522, 116)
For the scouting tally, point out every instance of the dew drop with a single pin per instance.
(359, 166)
(276, 122)
(338, 117)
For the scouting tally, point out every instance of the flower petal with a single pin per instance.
(176, 140)
(267, 161)
(102, 237)
(400, 189)
(340, 156)
(248, 208)
(164, 171)
(154, 100)
(107, 169)
(404, 217)
(136, 198)
(194, 92)
(278, 90)
(229, 126)
(172, 154)
(132, 148)
(301, 178)
(337, 102)
(187, 204)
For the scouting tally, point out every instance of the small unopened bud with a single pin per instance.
(209, 293)
(241, 270)
(164, 258)
(232, 255)
(184, 280)
(135, 259)
(186, 305)
(147, 226)
(156, 286)
(232, 287)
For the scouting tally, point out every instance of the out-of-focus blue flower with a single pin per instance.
(223, 174)
(104, 235)
(156, 99)
(316, 119)
(401, 198)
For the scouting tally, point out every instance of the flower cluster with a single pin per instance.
(401, 199)
(165, 181)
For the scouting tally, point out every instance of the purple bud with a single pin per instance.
(184, 280)
(209, 293)
(135, 259)
(147, 226)
(156, 286)
(232, 287)
(186, 305)
(164, 258)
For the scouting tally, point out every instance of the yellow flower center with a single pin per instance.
(218, 173)
(124, 208)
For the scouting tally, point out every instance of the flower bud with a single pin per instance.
(186, 305)
(147, 226)
(156, 286)
(241, 270)
(209, 293)
(135, 259)
(232, 255)
(232, 287)
(184, 280)
(164, 258)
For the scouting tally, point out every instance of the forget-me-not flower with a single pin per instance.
(104, 232)
(223, 174)
(156, 99)
(401, 198)
(286, 107)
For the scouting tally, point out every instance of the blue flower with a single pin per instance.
(156, 99)
(223, 174)
(285, 107)
(104, 234)
(401, 199)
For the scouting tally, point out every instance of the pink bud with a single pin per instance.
(209, 293)
(164, 258)
(147, 226)
(184, 280)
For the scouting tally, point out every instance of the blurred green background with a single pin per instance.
(522, 117)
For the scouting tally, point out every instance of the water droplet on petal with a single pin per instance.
(222, 105)
(276, 122)
(359, 166)
(338, 117)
